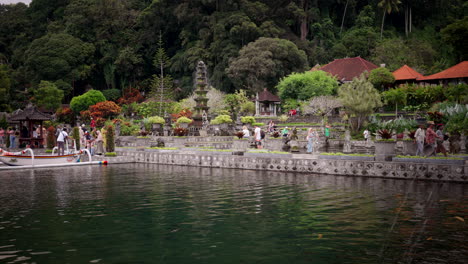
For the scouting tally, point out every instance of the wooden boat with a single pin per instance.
(23, 158)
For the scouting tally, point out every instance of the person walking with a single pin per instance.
(2, 137)
(419, 138)
(63, 135)
(440, 141)
(311, 137)
(99, 142)
(258, 137)
(12, 133)
(431, 137)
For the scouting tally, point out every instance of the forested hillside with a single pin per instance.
(246, 44)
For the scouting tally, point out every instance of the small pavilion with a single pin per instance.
(266, 103)
(28, 119)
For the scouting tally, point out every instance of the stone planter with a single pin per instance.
(384, 150)
(340, 157)
(156, 126)
(409, 147)
(183, 125)
(431, 161)
(224, 126)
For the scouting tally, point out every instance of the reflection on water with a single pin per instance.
(168, 214)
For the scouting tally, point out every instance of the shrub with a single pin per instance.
(130, 95)
(248, 119)
(111, 94)
(385, 133)
(183, 119)
(221, 119)
(106, 109)
(128, 129)
(239, 134)
(258, 124)
(110, 154)
(110, 136)
(51, 137)
(156, 120)
(178, 131)
(76, 136)
(64, 115)
(283, 118)
(84, 101)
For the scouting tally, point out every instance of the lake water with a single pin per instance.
(142, 213)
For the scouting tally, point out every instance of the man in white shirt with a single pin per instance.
(258, 137)
(419, 137)
(61, 141)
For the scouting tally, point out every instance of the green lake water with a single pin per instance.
(169, 214)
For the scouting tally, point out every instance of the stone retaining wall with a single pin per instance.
(302, 164)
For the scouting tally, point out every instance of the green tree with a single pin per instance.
(47, 95)
(381, 76)
(360, 98)
(303, 86)
(456, 34)
(82, 102)
(59, 57)
(395, 96)
(5, 85)
(262, 63)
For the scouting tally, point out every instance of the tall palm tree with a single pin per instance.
(388, 6)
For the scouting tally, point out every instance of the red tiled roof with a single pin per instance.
(348, 68)
(406, 73)
(458, 71)
(265, 95)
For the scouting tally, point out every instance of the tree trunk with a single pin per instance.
(305, 20)
(344, 15)
(406, 21)
(381, 28)
(410, 20)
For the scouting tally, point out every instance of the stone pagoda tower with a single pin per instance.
(201, 109)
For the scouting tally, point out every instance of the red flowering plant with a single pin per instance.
(64, 115)
(184, 112)
(130, 95)
(106, 109)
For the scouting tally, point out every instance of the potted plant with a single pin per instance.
(385, 146)
(222, 120)
(248, 120)
(156, 121)
(183, 121)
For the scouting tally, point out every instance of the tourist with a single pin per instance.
(327, 133)
(431, 137)
(24, 132)
(440, 141)
(246, 132)
(366, 134)
(44, 136)
(258, 137)
(99, 142)
(82, 131)
(93, 124)
(311, 138)
(419, 137)
(89, 142)
(63, 135)
(12, 134)
(271, 126)
(285, 132)
(2, 136)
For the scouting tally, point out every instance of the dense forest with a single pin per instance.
(246, 44)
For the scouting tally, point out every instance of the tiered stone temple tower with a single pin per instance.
(201, 109)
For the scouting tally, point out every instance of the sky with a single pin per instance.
(14, 1)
